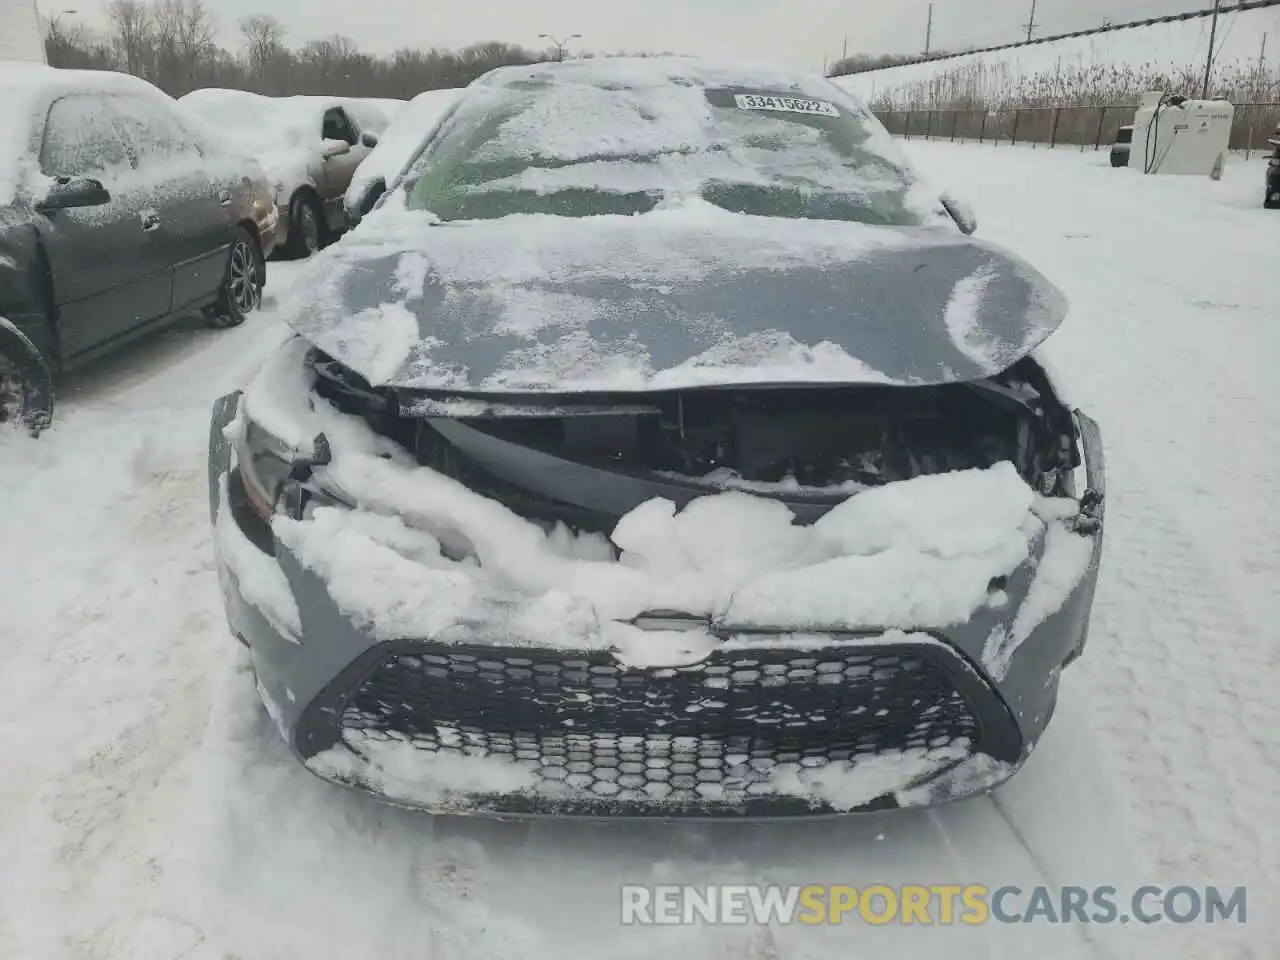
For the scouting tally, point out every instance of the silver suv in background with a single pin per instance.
(310, 148)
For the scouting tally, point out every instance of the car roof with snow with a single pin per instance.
(271, 119)
(661, 223)
(27, 89)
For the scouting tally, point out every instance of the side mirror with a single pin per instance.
(961, 213)
(70, 192)
(334, 148)
(360, 200)
(370, 140)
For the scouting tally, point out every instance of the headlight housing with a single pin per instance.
(269, 470)
(265, 463)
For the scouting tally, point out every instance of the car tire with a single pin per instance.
(1119, 159)
(242, 282)
(1272, 200)
(306, 227)
(26, 384)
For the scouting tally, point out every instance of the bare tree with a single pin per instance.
(172, 44)
(263, 42)
(195, 36)
(166, 16)
(132, 36)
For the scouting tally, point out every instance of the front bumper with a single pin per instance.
(770, 724)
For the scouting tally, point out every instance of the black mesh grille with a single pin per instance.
(599, 732)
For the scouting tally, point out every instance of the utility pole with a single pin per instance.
(559, 44)
(928, 32)
(1208, 60)
(1031, 21)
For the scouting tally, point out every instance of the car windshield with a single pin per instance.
(579, 149)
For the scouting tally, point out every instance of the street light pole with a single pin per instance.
(1208, 63)
(54, 18)
(53, 36)
(559, 44)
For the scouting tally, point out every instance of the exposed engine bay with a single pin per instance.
(586, 460)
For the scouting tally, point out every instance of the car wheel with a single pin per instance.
(1272, 200)
(241, 292)
(306, 227)
(26, 385)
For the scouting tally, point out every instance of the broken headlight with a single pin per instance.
(268, 466)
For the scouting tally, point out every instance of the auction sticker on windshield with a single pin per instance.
(752, 101)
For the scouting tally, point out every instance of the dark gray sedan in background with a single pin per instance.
(115, 217)
(659, 445)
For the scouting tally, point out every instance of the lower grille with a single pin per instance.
(602, 735)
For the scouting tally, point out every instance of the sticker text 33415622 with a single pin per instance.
(753, 101)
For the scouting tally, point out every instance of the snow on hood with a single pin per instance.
(686, 293)
(682, 296)
(427, 557)
(408, 129)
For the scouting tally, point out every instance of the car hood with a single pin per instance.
(666, 300)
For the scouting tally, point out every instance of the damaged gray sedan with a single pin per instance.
(659, 445)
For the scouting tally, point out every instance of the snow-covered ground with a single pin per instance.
(148, 812)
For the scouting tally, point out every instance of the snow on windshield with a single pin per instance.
(671, 129)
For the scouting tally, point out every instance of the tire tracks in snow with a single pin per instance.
(1182, 666)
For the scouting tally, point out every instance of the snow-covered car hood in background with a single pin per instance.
(683, 296)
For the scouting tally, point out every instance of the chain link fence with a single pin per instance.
(1086, 127)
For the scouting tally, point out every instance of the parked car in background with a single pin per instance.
(660, 444)
(116, 216)
(408, 130)
(1120, 149)
(310, 148)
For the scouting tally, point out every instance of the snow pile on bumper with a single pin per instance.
(441, 579)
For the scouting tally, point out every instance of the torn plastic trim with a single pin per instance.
(423, 404)
(612, 492)
(1091, 459)
(427, 407)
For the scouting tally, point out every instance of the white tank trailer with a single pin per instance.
(1174, 135)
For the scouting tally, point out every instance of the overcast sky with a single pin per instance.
(802, 32)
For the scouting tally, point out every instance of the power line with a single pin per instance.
(960, 49)
(1052, 23)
